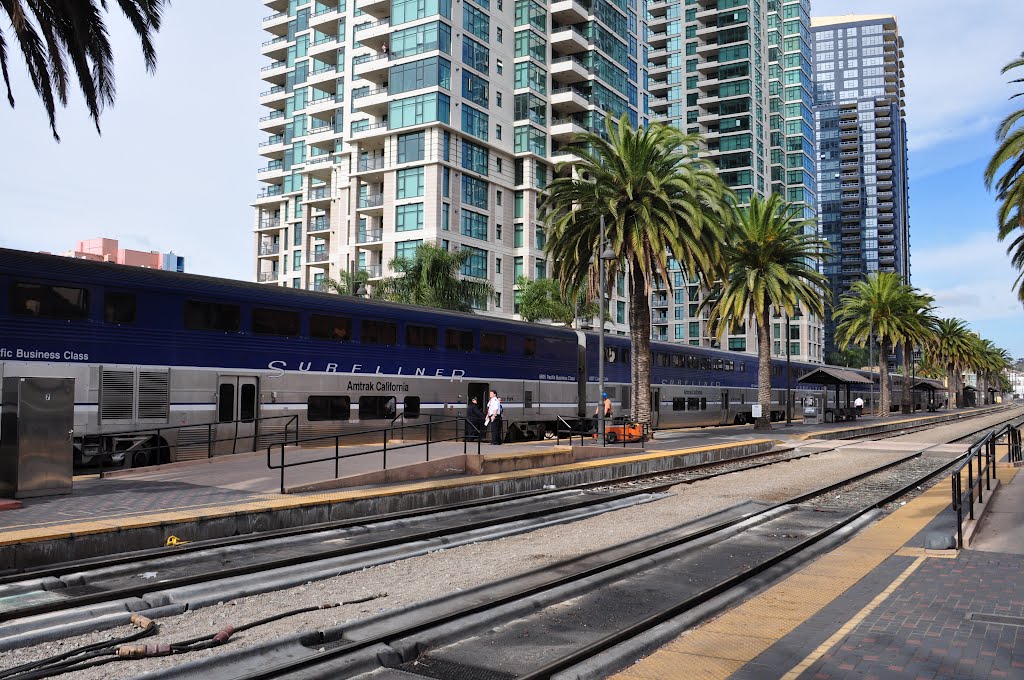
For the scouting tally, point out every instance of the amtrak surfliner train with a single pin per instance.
(152, 349)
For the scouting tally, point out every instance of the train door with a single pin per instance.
(655, 407)
(482, 393)
(237, 410)
(724, 418)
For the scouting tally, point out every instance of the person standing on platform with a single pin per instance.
(607, 403)
(475, 419)
(858, 404)
(494, 418)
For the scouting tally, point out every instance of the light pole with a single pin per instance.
(356, 287)
(789, 376)
(605, 253)
(871, 363)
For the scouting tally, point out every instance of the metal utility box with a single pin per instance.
(37, 418)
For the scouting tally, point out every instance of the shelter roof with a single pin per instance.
(928, 384)
(827, 375)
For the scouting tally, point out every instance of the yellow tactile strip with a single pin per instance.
(721, 647)
(270, 503)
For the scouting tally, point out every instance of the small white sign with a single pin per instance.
(755, 410)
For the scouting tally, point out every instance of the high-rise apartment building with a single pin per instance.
(393, 123)
(862, 150)
(738, 73)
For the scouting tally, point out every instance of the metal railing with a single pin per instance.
(617, 431)
(155, 435)
(979, 464)
(431, 428)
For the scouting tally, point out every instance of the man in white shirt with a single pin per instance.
(494, 418)
(858, 404)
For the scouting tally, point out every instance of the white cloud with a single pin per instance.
(971, 279)
(954, 52)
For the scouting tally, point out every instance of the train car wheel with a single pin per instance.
(140, 459)
(611, 437)
(741, 419)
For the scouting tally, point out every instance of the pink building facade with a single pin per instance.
(108, 250)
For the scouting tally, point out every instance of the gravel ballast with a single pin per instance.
(447, 571)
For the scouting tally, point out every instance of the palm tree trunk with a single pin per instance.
(764, 372)
(951, 386)
(883, 378)
(640, 332)
(908, 388)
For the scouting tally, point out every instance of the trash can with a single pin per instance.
(812, 416)
(37, 418)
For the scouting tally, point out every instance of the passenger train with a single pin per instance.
(154, 351)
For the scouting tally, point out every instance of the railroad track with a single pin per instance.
(99, 593)
(546, 623)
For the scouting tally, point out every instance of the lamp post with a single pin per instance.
(871, 362)
(789, 375)
(913, 381)
(606, 253)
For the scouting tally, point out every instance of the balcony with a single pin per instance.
(568, 40)
(323, 17)
(318, 287)
(318, 195)
(320, 223)
(657, 39)
(375, 35)
(375, 8)
(269, 249)
(373, 101)
(264, 277)
(317, 256)
(374, 130)
(270, 223)
(270, 192)
(371, 201)
(370, 235)
(569, 70)
(271, 166)
(374, 271)
(569, 11)
(566, 129)
(373, 67)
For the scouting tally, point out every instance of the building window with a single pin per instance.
(476, 264)
(409, 183)
(416, 75)
(424, 108)
(532, 76)
(475, 122)
(407, 249)
(529, 139)
(475, 89)
(474, 191)
(475, 55)
(420, 39)
(411, 147)
(404, 11)
(475, 157)
(476, 22)
(497, 265)
(474, 225)
(409, 217)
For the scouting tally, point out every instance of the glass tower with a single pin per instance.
(862, 150)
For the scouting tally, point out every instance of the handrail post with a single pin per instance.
(958, 502)
(336, 439)
(282, 467)
(209, 440)
(970, 485)
(981, 491)
(465, 435)
(385, 449)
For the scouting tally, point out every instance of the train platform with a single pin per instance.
(238, 494)
(878, 607)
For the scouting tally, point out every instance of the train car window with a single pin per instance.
(743, 367)
(420, 336)
(679, 404)
(379, 333)
(528, 399)
(323, 327)
(226, 403)
(692, 404)
(719, 365)
(703, 404)
(49, 302)
(692, 361)
(730, 365)
(624, 355)
(412, 407)
(610, 354)
(377, 408)
(275, 322)
(493, 343)
(211, 316)
(459, 341)
(530, 347)
(328, 408)
(678, 361)
(705, 363)
(661, 359)
(119, 307)
(556, 348)
(247, 403)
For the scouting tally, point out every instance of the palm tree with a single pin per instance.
(916, 324)
(1010, 186)
(951, 347)
(770, 259)
(658, 200)
(990, 362)
(542, 299)
(431, 279)
(53, 35)
(872, 310)
(348, 283)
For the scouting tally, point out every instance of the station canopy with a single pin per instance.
(833, 376)
(928, 384)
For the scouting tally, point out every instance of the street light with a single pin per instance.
(789, 376)
(607, 254)
(357, 287)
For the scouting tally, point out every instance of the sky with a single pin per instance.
(175, 166)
